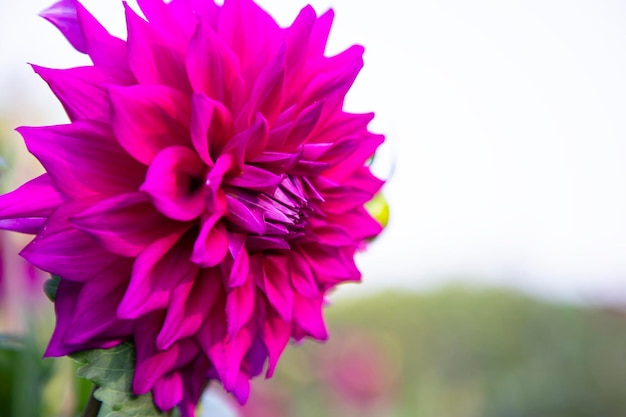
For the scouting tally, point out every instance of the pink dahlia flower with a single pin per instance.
(206, 195)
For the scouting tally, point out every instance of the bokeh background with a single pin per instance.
(498, 287)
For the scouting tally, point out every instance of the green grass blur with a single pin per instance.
(454, 353)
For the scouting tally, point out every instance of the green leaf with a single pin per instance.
(112, 371)
(50, 287)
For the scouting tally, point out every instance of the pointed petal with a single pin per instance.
(277, 332)
(62, 14)
(125, 224)
(302, 278)
(213, 69)
(157, 271)
(307, 315)
(151, 363)
(174, 183)
(241, 263)
(267, 93)
(96, 306)
(211, 244)
(335, 77)
(251, 33)
(82, 90)
(211, 126)
(257, 179)
(78, 159)
(189, 306)
(35, 199)
(240, 304)
(153, 58)
(168, 391)
(65, 251)
(148, 118)
(246, 217)
(277, 286)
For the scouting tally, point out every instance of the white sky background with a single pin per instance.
(507, 117)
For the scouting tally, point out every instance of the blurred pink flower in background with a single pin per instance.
(206, 195)
(359, 373)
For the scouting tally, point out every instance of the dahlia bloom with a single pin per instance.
(206, 194)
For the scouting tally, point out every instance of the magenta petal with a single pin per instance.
(67, 295)
(267, 94)
(212, 243)
(276, 336)
(319, 36)
(21, 204)
(257, 179)
(148, 118)
(240, 306)
(337, 78)
(249, 142)
(212, 67)
(154, 59)
(152, 364)
(332, 262)
(277, 286)
(168, 390)
(78, 159)
(25, 225)
(96, 306)
(103, 49)
(62, 14)
(302, 277)
(225, 352)
(242, 389)
(211, 126)
(190, 305)
(246, 217)
(157, 270)
(297, 39)
(81, 90)
(358, 223)
(307, 315)
(241, 265)
(251, 33)
(125, 224)
(65, 251)
(304, 125)
(174, 182)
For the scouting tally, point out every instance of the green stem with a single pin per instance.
(93, 405)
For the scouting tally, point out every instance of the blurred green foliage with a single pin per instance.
(455, 353)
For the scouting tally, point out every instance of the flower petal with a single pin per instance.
(213, 69)
(240, 304)
(157, 270)
(174, 183)
(125, 224)
(211, 245)
(148, 118)
(35, 199)
(189, 306)
(78, 158)
(82, 90)
(307, 315)
(277, 286)
(63, 250)
(277, 332)
(211, 126)
(154, 59)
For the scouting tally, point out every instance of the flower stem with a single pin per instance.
(93, 405)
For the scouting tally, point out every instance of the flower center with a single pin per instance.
(271, 221)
